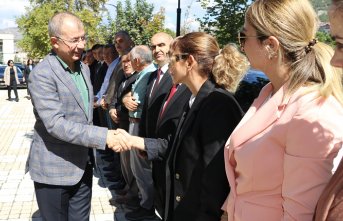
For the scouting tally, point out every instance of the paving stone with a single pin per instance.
(17, 199)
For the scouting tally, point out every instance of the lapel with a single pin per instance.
(86, 77)
(203, 93)
(185, 122)
(115, 70)
(259, 115)
(169, 111)
(65, 78)
(164, 83)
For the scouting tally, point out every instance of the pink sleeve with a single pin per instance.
(313, 140)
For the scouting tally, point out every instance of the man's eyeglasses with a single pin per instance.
(74, 42)
(177, 57)
(242, 37)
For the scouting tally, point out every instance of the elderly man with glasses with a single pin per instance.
(60, 159)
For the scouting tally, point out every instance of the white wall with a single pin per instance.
(8, 47)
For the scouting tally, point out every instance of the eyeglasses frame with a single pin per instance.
(240, 38)
(74, 42)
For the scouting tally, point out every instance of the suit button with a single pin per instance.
(178, 198)
(177, 176)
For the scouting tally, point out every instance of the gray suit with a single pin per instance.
(63, 132)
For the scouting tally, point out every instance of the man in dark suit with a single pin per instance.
(120, 114)
(123, 44)
(59, 160)
(159, 85)
(112, 170)
(98, 69)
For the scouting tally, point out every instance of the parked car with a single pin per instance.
(249, 88)
(20, 77)
(19, 65)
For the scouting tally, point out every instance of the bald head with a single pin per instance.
(163, 35)
(159, 45)
(58, 20)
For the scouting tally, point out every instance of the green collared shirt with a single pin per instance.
(79, 81)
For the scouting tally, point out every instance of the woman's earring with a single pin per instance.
(271, 55)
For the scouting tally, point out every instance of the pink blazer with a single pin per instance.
(280, 156)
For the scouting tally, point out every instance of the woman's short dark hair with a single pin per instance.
(9, 61)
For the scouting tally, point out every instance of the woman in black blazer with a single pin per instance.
(196, 183)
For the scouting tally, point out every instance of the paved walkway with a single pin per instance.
(17, 198)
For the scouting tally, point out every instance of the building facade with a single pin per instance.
(6, 48)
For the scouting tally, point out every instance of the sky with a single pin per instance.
(10, 9)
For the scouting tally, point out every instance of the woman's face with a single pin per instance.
(336, 26)
(11, 64)
(252, 47)
(177, 66)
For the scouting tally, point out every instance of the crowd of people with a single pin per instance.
(177, 143)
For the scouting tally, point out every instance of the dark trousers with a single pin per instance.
(66, 203)
(9, 88)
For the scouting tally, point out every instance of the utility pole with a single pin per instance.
(178, 19)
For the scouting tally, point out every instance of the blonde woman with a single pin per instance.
(280, 156)
(11, 79)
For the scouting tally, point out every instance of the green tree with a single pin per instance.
(325, 37)
(138, 20)
(34, 23)
(321, 8)
(223, 18)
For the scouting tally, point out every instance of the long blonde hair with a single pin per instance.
(294, 23)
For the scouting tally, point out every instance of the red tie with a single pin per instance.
(157, 81)
(171, 94)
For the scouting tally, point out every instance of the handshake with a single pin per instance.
(119, 140)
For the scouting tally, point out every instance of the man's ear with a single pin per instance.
(53, 42)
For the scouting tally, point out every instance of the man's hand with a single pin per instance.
(103, 104)
(114, 115)
(95, 105)
(118, 141)
(111, 139)
(130, 102)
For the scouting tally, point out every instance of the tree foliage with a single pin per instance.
(321, 7)
(223, 18)
(137, 19)
(325, 37)
(34, 23)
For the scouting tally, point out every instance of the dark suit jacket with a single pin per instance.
(99, 77)
(117, 103)
(93, 68)
(63, 131)
(27, 72)
(152, 105)
(114, 82)
(330, 203)
(195, 177)
(97, 80)
(158, 149)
